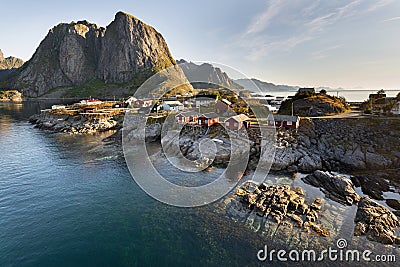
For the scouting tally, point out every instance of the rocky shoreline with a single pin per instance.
(65, 123)
(345, 145)
(284, 206)
(341, 145)
(318, 147)
(10, 96)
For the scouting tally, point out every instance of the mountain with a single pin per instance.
(200, 75)
(82, 59)
(9, 62)
(8, 65)
(255, 85)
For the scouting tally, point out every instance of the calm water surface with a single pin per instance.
(70, 200)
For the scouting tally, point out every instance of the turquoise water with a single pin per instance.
(69, 200)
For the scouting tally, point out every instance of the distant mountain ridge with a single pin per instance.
(81, 58)
(8, 64)
(207, 73)
(255, 85)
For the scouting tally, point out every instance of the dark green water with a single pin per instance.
(70, 200)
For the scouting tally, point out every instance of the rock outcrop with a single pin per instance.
(126, 53)
(282, 204)
(335, 187)
(9, 62)
(8, 65)
(340, 145)
(65, 123)
(10, 96)
(376, 222)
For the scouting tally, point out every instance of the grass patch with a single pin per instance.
(87, 89)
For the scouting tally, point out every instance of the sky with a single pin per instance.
(346, 43)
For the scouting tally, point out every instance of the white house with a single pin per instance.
(131, 100)
(205, 100)
(58, 107)
(172, 105)
(91, 101)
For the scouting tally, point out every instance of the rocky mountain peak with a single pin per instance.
(127, 52)
(9, 63)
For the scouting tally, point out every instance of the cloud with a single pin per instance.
(299, 22)
(261, 46)
(346, 11)
(378, 5)
(262, 21)
(391, 19)
(323, 53)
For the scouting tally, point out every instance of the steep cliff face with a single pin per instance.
(207, 73)
(66, 57)
(124, 54)
(130, 48)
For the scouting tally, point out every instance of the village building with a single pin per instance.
(172, 105)
(208, 119)
(204, 100)
(271, 108)
(91, 102)
(142, 103)
(130, 101)
(380, 103)
(55, 107)
(237, 122)
(222, 106)
(284, 121)
(186, 117)
(396, 108)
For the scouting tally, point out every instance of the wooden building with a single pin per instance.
(186, 117)
(237, 122)
(222, 106)
(284, 121)
(208, 119)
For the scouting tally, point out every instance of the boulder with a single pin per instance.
(393, 203)
(375, 221)
(335, 187)
(282, 204)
